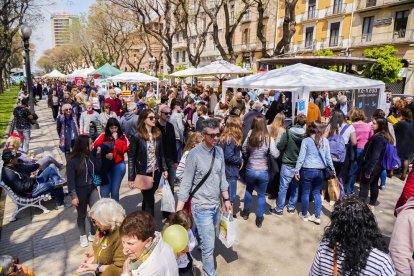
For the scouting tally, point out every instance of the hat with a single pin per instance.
(9, 155)
(333, 101)
(342, 99)
(258, 106)
(14, 134)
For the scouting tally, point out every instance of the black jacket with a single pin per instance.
(168, 142)
(78, 177)
(373, 154)
(137, 156)
(18, 178)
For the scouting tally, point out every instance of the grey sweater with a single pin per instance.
(196, 166)
(85, 120)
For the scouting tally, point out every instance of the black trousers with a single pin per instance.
(87, 196)
(148, 201)
(55, 111)
(370, 185)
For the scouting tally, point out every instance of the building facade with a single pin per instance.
(62, 25)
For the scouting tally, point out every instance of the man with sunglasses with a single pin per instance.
(206, 159)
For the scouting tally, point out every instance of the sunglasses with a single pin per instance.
(68, 109)
(167, 113)
(93, 221)
(213, 135)
(151, 117)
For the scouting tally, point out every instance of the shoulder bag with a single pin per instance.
(328, 173)
(145, 182)
(187, 205)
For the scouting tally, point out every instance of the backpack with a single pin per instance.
(337, 146)
(390, 161)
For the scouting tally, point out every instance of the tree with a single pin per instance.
(289, 28)
(324, 53)
(262, 6)
(387, 66)
(64, 58)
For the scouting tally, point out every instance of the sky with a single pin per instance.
(42, 34)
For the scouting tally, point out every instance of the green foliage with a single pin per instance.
(325, 53)
(387, 67)
(180, 67)
(99, 60)
(8, 101)
(160, 75)
(240, 64)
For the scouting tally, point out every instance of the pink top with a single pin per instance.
(363, 132)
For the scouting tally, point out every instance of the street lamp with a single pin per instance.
(26, 32)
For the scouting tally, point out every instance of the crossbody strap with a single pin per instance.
(320, 154)
(206, 176)
(335, 267)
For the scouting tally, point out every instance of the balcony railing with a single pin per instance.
(308, 16)
(332, 42)
(246, 17)
(179, 44)
(370, 4)
(402, 36)
(336, 10)
(307, 45)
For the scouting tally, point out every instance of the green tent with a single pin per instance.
(106, 71)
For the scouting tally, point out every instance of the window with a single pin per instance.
(183, 59)
(311, 9)
(367, 28)
(245, 37)
(177, 37)
(337, 7)
(400, 24)
(232, 13)
(371, 3)
(177, 57)
(309, 37)
(334, 34)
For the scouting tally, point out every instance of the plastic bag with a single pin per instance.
(333, 189)
(167, 200)
(229, 230)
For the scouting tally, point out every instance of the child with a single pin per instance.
(184, 259)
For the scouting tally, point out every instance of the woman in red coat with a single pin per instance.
(113, 139)
(407, 192)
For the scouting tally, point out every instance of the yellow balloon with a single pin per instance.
(176, 236)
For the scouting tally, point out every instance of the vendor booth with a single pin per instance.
(135, 77)
(55, 74)
(302, 79)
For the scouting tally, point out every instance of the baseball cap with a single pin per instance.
(9, 155)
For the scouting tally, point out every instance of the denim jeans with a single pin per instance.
(46, 183)
(287, 179)
(232, 187)
(383, 177)
(311, 179)
(179, 147)
(115, 177)
(258, 180)
(355, 165)
(26, 139)
(206, 221)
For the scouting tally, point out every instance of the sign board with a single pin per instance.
(383, 21)
(367, 100)
(79, 81)
(301, 106)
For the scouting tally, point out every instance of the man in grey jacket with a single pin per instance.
(206, 201)
(129, 121)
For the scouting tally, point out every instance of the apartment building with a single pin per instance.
(62, 25)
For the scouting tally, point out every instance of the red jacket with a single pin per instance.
(120, 146)
(407, 192)
(116, 106)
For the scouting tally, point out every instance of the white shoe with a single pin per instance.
(314, 219)
(84, 241)
(332, 203)
(91, 237)
(305, 218)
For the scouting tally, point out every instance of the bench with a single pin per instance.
(24, 202)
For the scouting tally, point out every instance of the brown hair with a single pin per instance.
(194, 138)
(232, 130)
(357, 114)
(278, 122)
(259, 132)
(93, 93)
(182, 218)
(107, 105)
(138, 224)
(142, 130)
(300, 119)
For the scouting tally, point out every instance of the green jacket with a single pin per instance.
(290, 144)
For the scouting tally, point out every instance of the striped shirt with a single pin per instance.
(378, 263)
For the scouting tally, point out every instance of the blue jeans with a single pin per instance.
(287, 179)
(206, 222)
(258, 180)
(353, 173)
(383, 177)
(311, 179)
(26, 139)
(46, 183)
(115, 177)
(232, 187)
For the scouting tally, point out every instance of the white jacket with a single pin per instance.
(161, 262)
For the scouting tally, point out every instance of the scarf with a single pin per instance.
(135, 264)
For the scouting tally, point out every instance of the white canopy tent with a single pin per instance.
(184, 73)
(135, 77)
(81, 73)
(220, 68)
(54, 74)
(301, 79)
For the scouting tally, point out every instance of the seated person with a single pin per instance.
(10, 266)
(22, 178)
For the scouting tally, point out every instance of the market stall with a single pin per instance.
(128, 77)
(55, 74)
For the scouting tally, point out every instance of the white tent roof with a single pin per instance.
(220, 67)
(54, 74)
(299, 76)
(81, 73)
(184, 73)
(133, 77)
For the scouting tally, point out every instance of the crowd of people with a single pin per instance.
(187, 137)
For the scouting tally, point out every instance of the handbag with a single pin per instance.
(334, 190)
(145, 182)
(187, 205)
(328, 173)
(272, 164)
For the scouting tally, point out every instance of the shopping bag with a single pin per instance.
(333, 189)
(229, 230)
(167, 200)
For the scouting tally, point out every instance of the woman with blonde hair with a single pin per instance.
(94, 99)
(106, 114)
(231, 141)
(257, 146)
(194, 138)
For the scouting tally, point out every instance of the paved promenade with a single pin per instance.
(49, 243)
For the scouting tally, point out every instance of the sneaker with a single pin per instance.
(61, 182)
(91, 237)
(275, 212)
(291, 211)
(314, 219)
(332, 203)
(84, 241)
(259, 222)
(382, 187)
(305, 218)
(245, 214)
(371, 207)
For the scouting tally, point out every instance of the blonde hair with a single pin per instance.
(277, 123)
(13, 142)
(108, 212)
(232, 130)
(194, 138)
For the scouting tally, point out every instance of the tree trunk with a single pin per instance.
(289, 29)
(260, 29)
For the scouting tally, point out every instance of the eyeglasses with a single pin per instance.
(166, 113)
(151, 117)
(213, 135)
(69, 109)
(93, 221)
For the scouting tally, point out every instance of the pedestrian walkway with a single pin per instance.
(49, 243)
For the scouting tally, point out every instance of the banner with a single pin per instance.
(367, 100)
